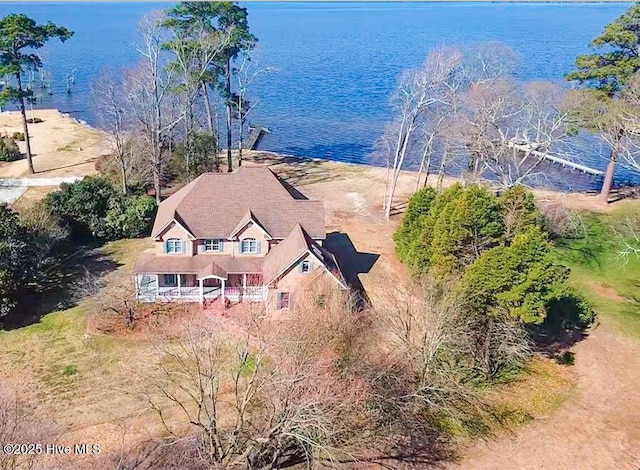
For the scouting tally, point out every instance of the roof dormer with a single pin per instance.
(247, 220)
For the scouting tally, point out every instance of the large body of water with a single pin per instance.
(337, 63)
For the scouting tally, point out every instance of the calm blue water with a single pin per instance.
(336, 63)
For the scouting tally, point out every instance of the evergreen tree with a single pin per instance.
(19, 36)
(606, 71)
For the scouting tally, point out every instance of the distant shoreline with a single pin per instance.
(66, 147)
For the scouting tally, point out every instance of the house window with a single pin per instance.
(249, 245)
(305, 266)
(170, 280)
(283, 300)
(174, 245)
(212, 245)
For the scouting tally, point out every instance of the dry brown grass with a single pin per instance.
(83, 382)
(539, 392)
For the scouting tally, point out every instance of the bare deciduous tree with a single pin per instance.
(114, 297)
(246, 74)
(111, 105)
(464, 107)
(149, 88)
(268, 399)
(432, 348)
(19, 425)
(627, 118)
(417, 91)
(488, 107)
(537, 124)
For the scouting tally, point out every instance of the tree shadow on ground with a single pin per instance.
(421, 449)
(399, 208)
(351, 261)
(58, 292)
(555, 344)
(564, 327)
(628, 191)
(299, 170)
(49, 170)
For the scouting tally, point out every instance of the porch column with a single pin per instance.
(157, 285)
(244, 283)
(179, 292)
(222, 294)
(201, 282)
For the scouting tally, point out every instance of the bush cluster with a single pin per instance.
(9, 150)
(496, 246)
(94, 208)
(29, 248)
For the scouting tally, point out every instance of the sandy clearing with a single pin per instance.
(61, 145)
(310, 170)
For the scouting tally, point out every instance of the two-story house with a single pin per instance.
(239, 236)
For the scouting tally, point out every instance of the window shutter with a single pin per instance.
(221, 244)
(165, 243)
(310, 265)
(258, 246)
(183, 245)
(300, 266)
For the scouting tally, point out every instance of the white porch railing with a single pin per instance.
(246, 294)
(187, 294)
(151, 293)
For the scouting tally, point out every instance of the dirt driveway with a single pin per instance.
(598, 429)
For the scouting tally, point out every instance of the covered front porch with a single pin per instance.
(189, 288)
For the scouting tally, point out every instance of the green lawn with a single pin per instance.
(610, 281)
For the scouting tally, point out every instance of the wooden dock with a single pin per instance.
(552, 158)
(254, 137)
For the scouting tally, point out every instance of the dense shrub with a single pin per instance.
(468, 224)
(35, 120)
(130, 217)
(521, 280)
(18, 136)
(408, 236)
(9, 150)
(500, 249)
(27, 254)
(95, 208)
(449, 230)
(519, 211)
